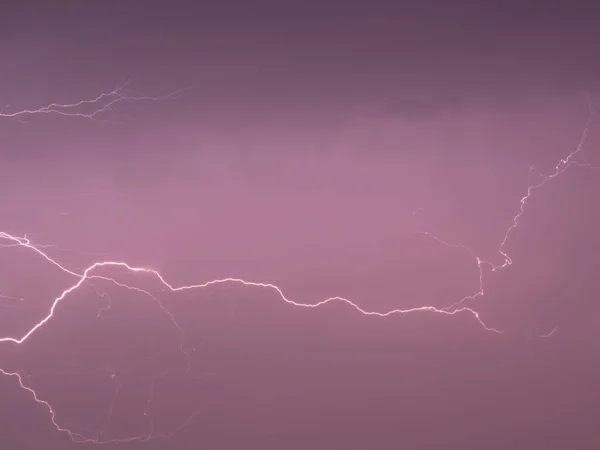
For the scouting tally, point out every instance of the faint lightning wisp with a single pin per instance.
(562, 165)
(90, 108)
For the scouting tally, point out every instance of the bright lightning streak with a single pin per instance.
(87, 274)
(104, 103)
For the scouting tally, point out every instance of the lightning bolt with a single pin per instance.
(97, 271)
(90, 108)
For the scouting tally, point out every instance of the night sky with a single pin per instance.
(306, 144)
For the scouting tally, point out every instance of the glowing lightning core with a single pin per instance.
(104, 103)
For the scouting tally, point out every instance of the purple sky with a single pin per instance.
(312, 143)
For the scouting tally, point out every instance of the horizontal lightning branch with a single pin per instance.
(90, 108)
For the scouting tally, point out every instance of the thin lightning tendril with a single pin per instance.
(105, 103)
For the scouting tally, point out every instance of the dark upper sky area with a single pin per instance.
(340, 51)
